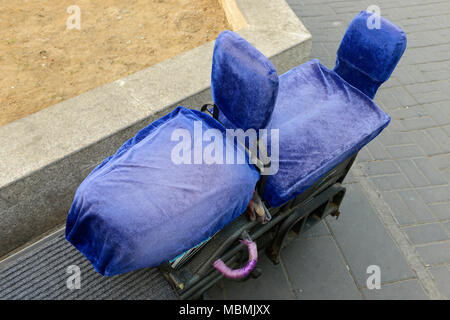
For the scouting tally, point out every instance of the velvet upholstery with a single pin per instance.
(244, 83)
(322, 120)
(366, 57)
(139, 209)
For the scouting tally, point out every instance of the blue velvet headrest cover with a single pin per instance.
(367, 57)
(244, 83)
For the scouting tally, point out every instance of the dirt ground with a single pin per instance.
(43, 63)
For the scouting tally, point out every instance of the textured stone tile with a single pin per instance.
(364, 240)
(426, 233)
(441, 137)
(399, 209)
(395, 138)
(435, 194)
(402, 290)
(441, 210)
(391, 182)
(377, 150)
(374, 168)
(317, 271)
(363, 155)
(272, 284)
(416, 206)
(350, 178)
(413, 174)
(418, 123)
(405, 151)
(441, 276)
(441, 161)
(427, 168)
(424, 141)
(317, 230)
(402, 113)
(447, 226)
(435, 253)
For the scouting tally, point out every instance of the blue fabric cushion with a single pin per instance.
(244, 83)
(322, 120)
(366, 57)
(139, 209)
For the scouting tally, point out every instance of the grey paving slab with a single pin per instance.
(318, 230)
(418, 123)
(442, 275)
(439, 110)
(399, 209)
(427, 168)
(440, 137)
(435, 194)
(272, 284)
(435, 253)
(424, 233)
(447, 226)
(447, 129)
(391, 182)
(364, 155)
(424, 142)
(414, 175)
(350, 178)
(364, 240)
(403, 97)
(406, 112)
(441, 210)
(404, 151)
(377, 150)
(416, 205)
(441, 161)
(395, 138)
(447, 175)
(402, 290)
(380, 167)
(386, 98)
(317, 271)
(395, 126)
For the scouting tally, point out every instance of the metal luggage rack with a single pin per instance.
(197, 274)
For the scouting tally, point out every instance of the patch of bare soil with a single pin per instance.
(43, 63)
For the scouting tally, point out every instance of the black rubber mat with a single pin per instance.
(41, 272)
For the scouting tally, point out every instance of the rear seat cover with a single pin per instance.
(322, 120)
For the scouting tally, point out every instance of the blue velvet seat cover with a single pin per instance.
(139, 209)
(367, 56)
(244, 83)
(322, 120)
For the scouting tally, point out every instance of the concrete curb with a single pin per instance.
(46, 155)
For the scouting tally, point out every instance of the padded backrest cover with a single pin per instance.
(367, 56)
(244, 82)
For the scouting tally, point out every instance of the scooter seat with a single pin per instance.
(140, 208)
(322, 120)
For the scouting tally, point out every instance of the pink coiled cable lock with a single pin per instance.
(241, 272)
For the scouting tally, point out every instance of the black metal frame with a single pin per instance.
(295, 216)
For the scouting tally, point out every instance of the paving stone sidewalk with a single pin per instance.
(396, 213)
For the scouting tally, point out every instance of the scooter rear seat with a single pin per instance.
(323, 116)
(322, 120)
